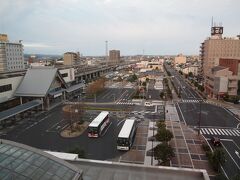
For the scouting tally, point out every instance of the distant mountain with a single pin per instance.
(43, 56)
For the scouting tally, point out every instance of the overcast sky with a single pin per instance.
(157, 26)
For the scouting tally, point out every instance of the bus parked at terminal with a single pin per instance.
(96, 127)
(127, 134)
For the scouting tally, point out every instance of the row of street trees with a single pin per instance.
(163, 152)
(96, 87)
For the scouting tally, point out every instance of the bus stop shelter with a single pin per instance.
(18, 109)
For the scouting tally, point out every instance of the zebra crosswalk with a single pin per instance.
(220, 132)
(124, 102)
(194, 101)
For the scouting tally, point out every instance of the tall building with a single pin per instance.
(218, 50)
(11, 55)
(180, 59)
(216, 47)
(71, 58)
(114, 56)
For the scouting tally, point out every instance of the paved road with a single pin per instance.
(181, 85)
(215, 121)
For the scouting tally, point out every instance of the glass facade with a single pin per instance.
(22, 163)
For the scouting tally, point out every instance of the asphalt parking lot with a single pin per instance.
(44, 132)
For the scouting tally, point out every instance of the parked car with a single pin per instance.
(216, 141)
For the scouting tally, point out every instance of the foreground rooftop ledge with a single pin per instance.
(160, 171)
(78, 171)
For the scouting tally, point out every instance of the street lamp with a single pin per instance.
(152, 145)
(200, 113)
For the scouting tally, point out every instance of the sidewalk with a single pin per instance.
(186, 143)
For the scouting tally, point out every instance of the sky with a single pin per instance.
(155, 27)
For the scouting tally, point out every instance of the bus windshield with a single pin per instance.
(93, 130)
(122, 141)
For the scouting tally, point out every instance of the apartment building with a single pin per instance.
(180, 59)
(71, 58)
(232, 64)
(221, 81)
(216, 47)
(11, 55)
(114, 56)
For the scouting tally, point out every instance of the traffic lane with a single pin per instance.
(229, 166)
(179, 81)
(109, 95)
(233, 150)
(211, 115)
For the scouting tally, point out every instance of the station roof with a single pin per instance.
(19, 109)
(105, 170)
(75, 87)
(18, 161)
(36, 82)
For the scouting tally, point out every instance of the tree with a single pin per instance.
(132, 78)
(190, 74)
(164, 135)
(73, 113)
(217, 158)
(161, 95)
(163, 152)
(96, 86)
(161, 124)
(201, 88)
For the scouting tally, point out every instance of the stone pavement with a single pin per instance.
(186, 143)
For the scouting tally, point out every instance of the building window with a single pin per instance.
(65, 75)
(5, 88)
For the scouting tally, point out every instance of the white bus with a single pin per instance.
(97, 126)
(127, 134)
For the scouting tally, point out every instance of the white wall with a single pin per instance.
(70, 72)
(15, 81)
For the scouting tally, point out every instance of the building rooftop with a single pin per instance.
(36, 82)
(24, 162)
(104, 170)
(18, 161)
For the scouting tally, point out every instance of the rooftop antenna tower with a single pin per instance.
(106, 48)
(212, 22)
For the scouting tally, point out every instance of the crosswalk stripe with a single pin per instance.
(207, 131)
(238, 131)
(217, 131)
(221, 131)
(228, 131)
(235, 131)
(211, 131)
